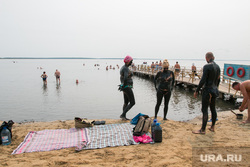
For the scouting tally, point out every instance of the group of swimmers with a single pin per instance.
(57, 74)
(158, 66)
(110, 67)
(164, 82)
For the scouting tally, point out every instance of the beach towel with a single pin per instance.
(48, 140)
(110, 135)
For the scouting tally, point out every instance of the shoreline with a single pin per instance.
(175, 149)
(197, 118)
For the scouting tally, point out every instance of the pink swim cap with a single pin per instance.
(127, 59)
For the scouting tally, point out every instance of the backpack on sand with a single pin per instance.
(142, 125)
(9, 127)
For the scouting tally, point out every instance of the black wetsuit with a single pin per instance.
(127, 85)
(166, 82)
(211, 80)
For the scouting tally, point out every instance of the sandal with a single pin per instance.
(99, 122)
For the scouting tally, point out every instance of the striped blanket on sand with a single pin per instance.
(110, 135)
(48, 140)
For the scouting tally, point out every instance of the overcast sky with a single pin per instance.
(181, 29)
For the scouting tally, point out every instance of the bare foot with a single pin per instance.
(246, 122)
(124, 118)
(211, 129)
(199, 132)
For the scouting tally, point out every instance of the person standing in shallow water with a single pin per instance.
(165, 80)
(44, 76)
(211, 80)
(57, 75)
(126, 86)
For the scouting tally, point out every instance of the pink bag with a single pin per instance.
(142, 139)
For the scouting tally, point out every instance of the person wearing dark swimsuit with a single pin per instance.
(165, 80)
(57, 75)
(211, 80)
(126, 86)
(44, 76)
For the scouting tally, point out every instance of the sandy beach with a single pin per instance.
(175, 149)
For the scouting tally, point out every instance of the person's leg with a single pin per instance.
(126, 101)
(248, 111)
(130, 95)
(45, 81)
(205, 103)
(166, 101)
(213, 112)
(204, 109)
(58, 79)
(159, 96)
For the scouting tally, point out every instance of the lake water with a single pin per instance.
(24, 97)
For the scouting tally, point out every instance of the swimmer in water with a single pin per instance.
(57, 75)
(44, 76)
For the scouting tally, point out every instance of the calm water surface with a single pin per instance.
(24, 97)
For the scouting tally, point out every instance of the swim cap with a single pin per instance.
(127, 59)
(165, 63)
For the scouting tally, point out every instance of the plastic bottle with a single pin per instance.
(5, 134)
(157, 133)
(152, 128)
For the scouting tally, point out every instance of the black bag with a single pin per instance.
(9, 127)
(142, 125)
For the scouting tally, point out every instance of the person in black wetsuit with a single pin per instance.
(126, 86)
(165, 80)
(211, 80)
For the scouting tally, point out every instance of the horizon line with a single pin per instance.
(105, 58)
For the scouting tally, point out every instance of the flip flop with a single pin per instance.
(99, 122)
(199, 132)
(211, 120)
